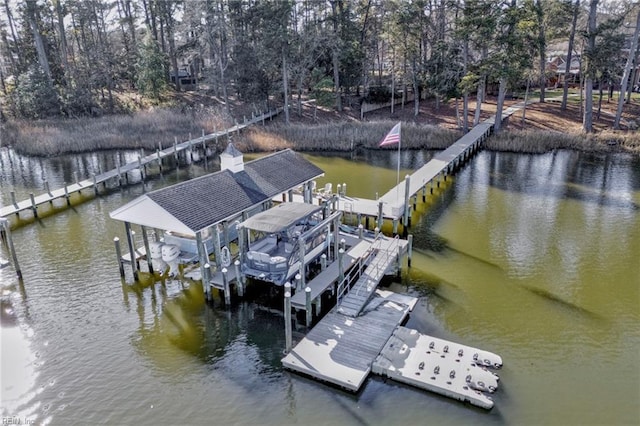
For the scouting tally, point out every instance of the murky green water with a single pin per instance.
(536, 258)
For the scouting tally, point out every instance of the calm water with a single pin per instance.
(536, 258)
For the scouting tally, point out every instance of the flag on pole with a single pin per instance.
(392, 137)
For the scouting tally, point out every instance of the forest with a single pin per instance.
(78, 58)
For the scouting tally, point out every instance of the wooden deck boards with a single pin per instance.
(340, 349)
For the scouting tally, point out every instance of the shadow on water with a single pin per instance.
(563, 304)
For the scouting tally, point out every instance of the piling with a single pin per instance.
(287, 317)
(140, 167)
(340, 270)
(145, 240)
(95, 184)
(4, 224)
(134, 269)
(46, 187)
(239, 278)
(159, 160)
(13, 199)
(33, 205)
(376, 231)
(225, 282)
(380, 214)
(206, 281)
(360, 231)
(307, 293)
(298, 283)
(323, 262)
(407, 182)
(409, 249)
(116, 242)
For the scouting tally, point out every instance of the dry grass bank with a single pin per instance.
(538, 142)
(343, 136)
(145, 129)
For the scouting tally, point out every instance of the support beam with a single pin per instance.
(132, 253)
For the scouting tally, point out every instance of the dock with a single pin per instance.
(386, 251)
(439, 366)
(395, 203)
(340, 349)
(120, 174)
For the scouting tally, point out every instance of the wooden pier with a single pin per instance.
(120, 174)
(395, 204)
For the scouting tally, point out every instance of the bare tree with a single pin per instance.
(627, 72)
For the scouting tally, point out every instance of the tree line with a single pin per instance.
(78, 57)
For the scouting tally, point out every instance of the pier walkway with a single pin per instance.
(353, 302)
(394, 204)
(34, 201)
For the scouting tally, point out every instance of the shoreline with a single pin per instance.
(46, 140)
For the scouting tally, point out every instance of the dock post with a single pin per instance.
(4, 223)
(46, 187)
(116, 241)
(33, 205)
(344, 189)
(206, 281)
(119, 175)
(227, 292)
(395, 226)
(360, 231)
(239, 283)
(290, 194)
(307, 293)
(380, 214)
(376, 231)
(340, 267)
(175, 147)
(424, 194)
(66, 193)
(415, 202)
(140, 167)
(95, 184)
(159, 160)
(409, 250)
(287, 317)
(127, 227)
(298, 283)
(407, 183)
(145, 239)
(13, 199)
(323, 262)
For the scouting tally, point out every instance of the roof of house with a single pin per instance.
(196, 204)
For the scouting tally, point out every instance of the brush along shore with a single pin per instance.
(149, 129)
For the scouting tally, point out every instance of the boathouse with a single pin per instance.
(201, 214)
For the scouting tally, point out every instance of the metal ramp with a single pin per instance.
(385, 252)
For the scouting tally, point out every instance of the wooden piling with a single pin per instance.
(225, 283)
(360, 231)
(380, 218)
(95, 184)
(145, 239)
(409, 249)
(323, 262)
(4, 224)
(116, 242)
(340, 266)
(46, 187)
(33, 205)
(407, 184)
(134, 265)
(307, 294)
(287, 317)
(239, 278)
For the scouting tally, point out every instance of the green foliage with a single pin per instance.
(151, 69)
(33, 96)
(323, 92)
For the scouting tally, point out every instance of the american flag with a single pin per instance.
(392, 137)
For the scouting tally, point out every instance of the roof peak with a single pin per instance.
(232, 150)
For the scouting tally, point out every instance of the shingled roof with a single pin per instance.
(202, 202)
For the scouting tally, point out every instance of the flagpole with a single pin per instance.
(398, 174)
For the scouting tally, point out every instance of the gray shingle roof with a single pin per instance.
(204, 201)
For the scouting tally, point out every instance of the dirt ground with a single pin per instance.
(538, 116)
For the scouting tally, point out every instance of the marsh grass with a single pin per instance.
(144, 129)
(538, 142)
(344, 136)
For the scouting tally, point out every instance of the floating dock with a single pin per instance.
(439, 366)
(340, 349)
